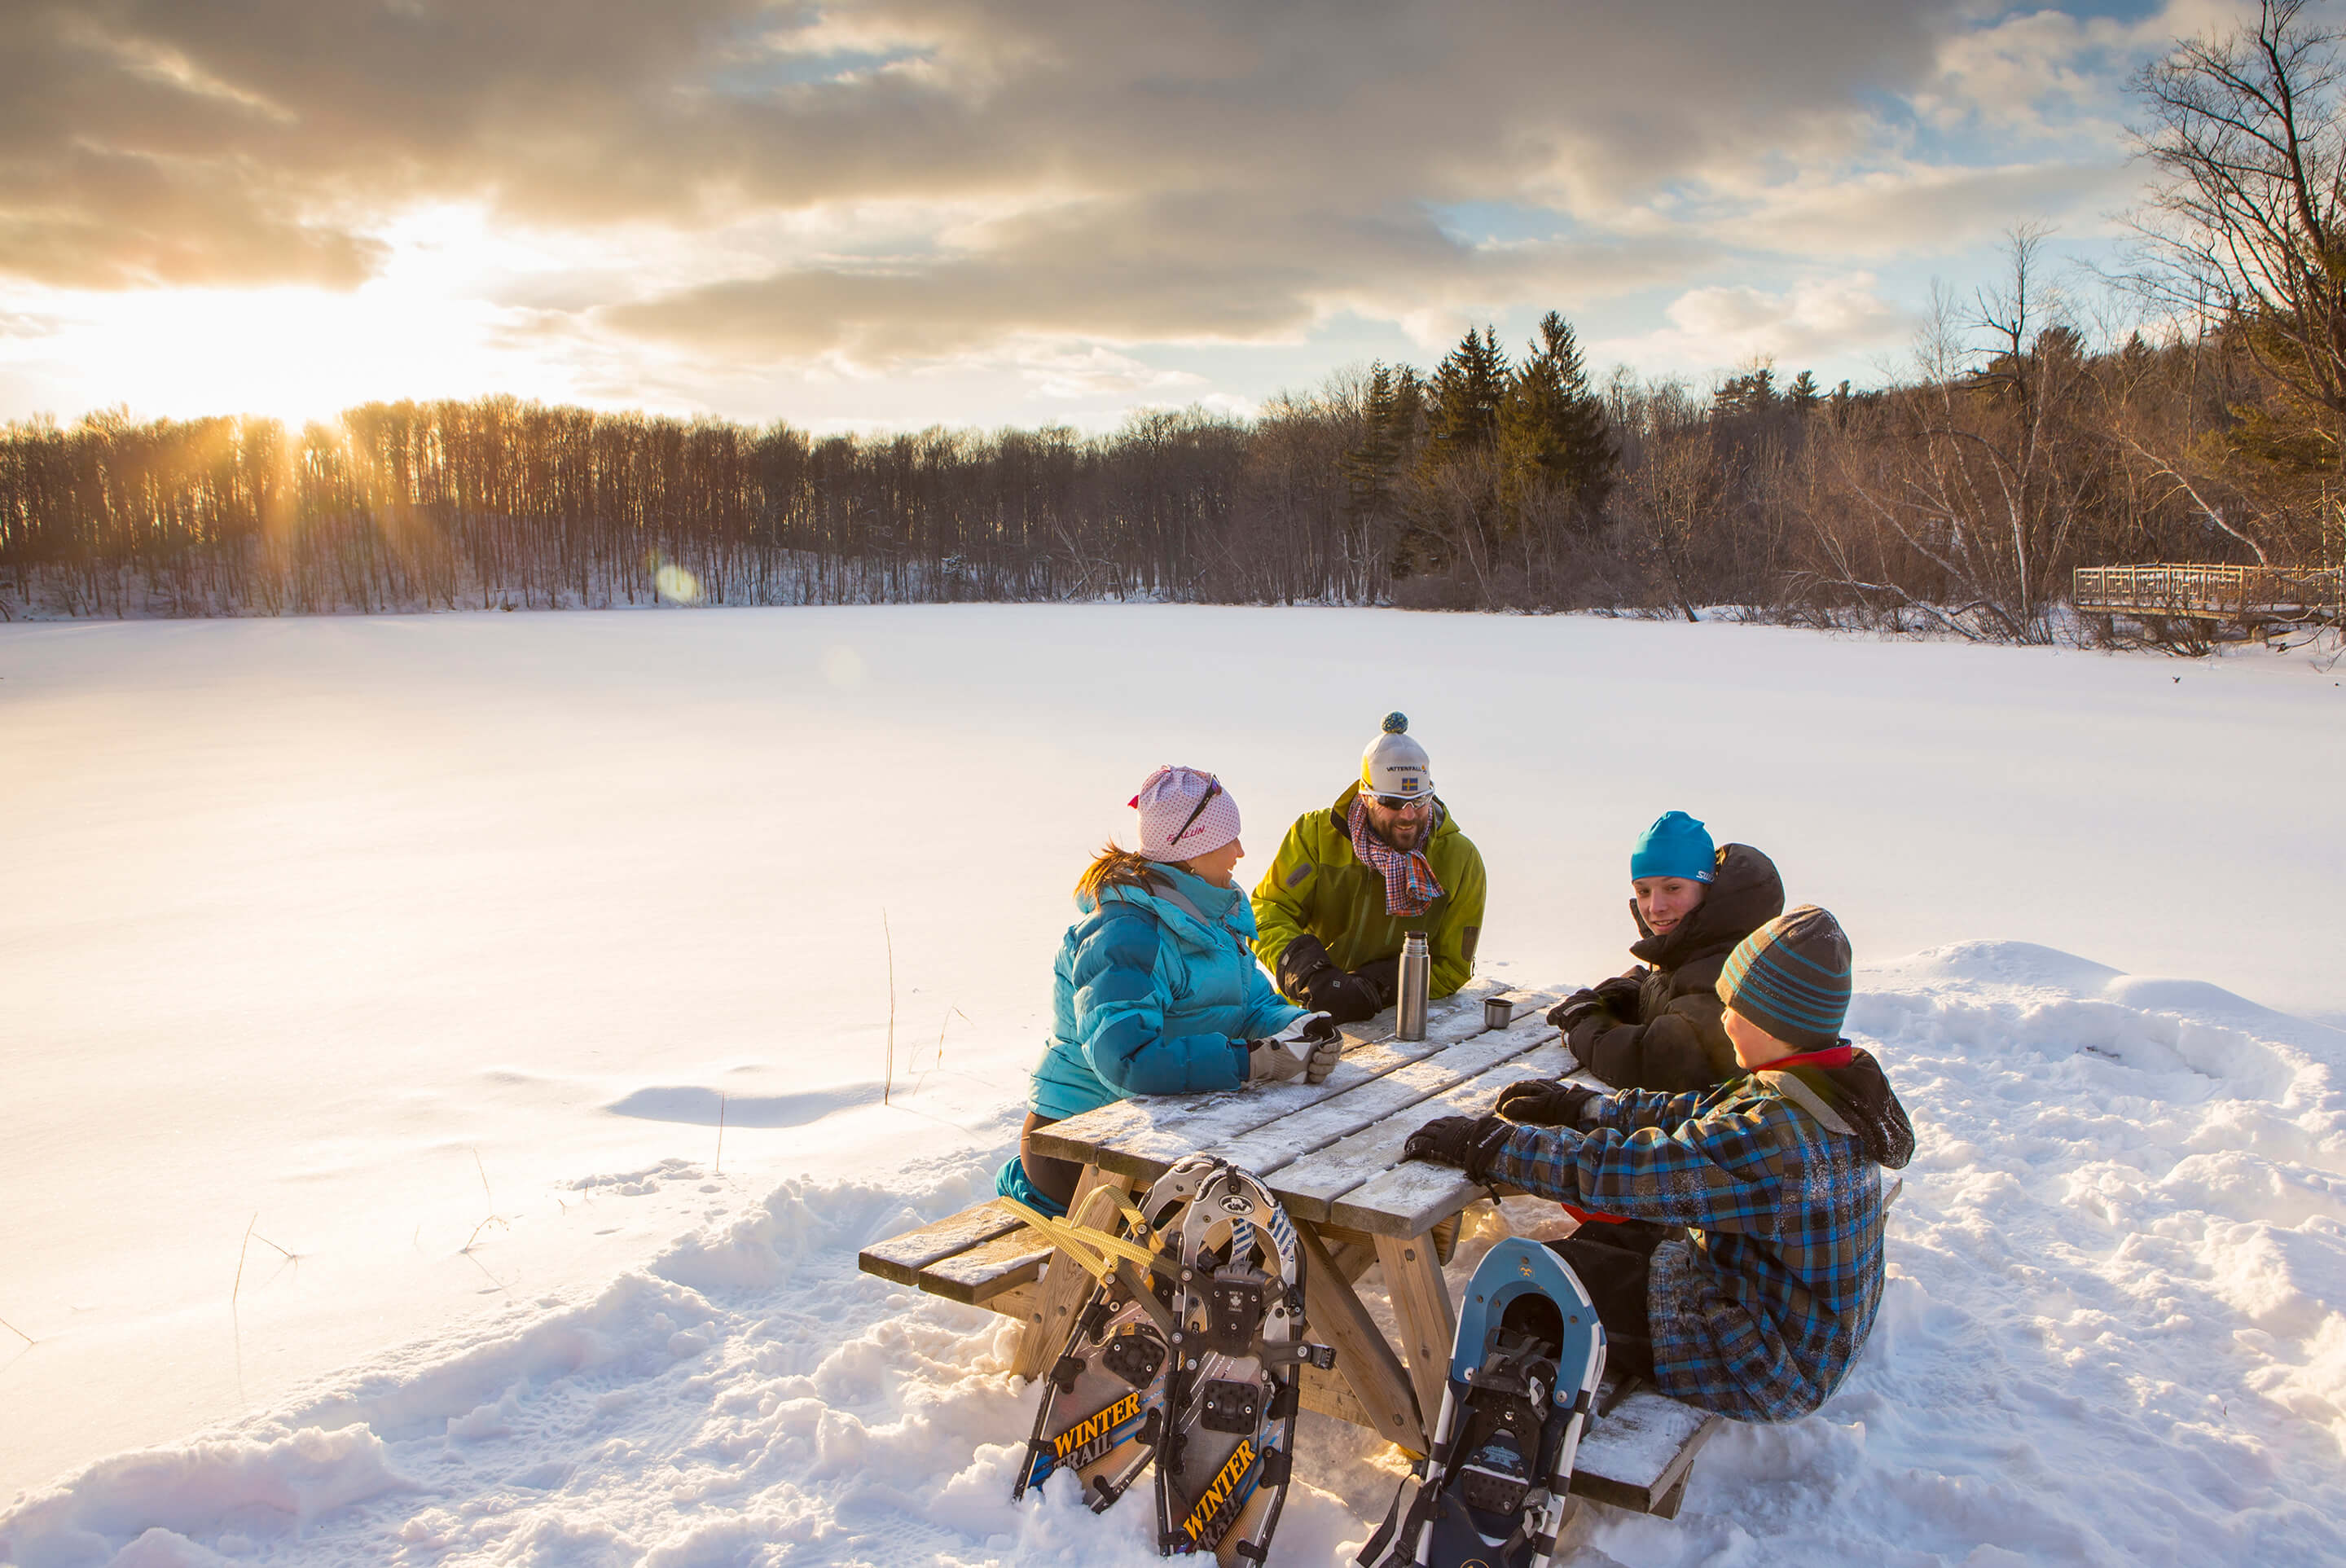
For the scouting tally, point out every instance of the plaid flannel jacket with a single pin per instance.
(1760, 1313)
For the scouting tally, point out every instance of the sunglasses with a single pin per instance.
(1401, 802)
(1213, 788)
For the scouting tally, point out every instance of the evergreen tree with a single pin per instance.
(1392, 407)
(1802, 393)
(1554, 434)
(1588, 430)
(1751, 392)
(1451, 507)
(1464, 399)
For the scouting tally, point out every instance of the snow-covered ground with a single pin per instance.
(426, 950)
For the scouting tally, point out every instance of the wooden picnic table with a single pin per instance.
(1330, 1151)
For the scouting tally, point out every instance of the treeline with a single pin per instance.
(1959, 501)
(2027, 441)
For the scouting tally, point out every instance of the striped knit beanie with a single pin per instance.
(1790, 977)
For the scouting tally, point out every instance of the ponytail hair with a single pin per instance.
(1115, 867)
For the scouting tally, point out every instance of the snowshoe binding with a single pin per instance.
(1524, 1373)
(1231, 1397)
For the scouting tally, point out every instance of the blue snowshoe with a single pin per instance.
(1522, 1384)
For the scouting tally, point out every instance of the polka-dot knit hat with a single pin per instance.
(1183, 811)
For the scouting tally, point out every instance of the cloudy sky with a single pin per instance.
(885, 213)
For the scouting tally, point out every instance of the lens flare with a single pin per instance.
(842, 666)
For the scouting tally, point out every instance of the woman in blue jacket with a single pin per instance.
(1157, 991)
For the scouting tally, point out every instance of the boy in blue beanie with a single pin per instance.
(1657, 1026)
(1757, 1308)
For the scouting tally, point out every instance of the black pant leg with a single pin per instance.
(1617, 1275)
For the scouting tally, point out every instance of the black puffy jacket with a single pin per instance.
(1677, 1042)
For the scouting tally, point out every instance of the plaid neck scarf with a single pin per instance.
(1409, 887)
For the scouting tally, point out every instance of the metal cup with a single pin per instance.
(1497, 1013)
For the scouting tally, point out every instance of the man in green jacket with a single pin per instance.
(1351, 881)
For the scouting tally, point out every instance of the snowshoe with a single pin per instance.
(1523, 1382)
(1102, 1411)
(1231, 1398)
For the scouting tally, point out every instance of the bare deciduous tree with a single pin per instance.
(2246, 231)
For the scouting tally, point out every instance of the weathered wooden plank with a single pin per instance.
(1019, 1301)
(1067, 1283)
(1421, 1307)
(1445, 1238)
(1141, 1136)
(901, 1258)
(1450, 1012)
(1354, 1252)
(1311, 1184)
(1335, 1317)
(985, 1271)
(1352, 1258)
(1409, 1199)
(1328, 1393)
(1637, 1456)
(1267, 1150)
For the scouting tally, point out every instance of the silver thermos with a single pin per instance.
(1416, 977)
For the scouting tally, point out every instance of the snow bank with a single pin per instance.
(239, 1494)
(2115, 1333)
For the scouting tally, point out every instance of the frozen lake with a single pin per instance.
(424, 948)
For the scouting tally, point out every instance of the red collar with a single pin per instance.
(1831, 1056)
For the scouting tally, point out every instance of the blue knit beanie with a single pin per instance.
(1791, 977)
(1675, 846)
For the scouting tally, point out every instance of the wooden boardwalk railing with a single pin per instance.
(2183, 589)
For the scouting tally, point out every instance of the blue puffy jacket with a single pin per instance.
(1156, 991)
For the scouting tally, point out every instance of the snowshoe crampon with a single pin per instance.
(1223, 1467)
(1523, 1381)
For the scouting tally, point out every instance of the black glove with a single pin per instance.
(1569, 1012)
(1464, 1143)
(1542, 1103)
(1346, 998)
(1298, 961)
(1385, 974)
(1624, 995)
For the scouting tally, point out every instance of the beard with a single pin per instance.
(1404, 833)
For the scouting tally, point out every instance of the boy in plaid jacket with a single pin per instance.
(1756, 1307)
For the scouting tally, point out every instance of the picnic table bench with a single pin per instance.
(1330, 1151)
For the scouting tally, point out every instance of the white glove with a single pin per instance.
(1310, 1029)
(1308, 1048)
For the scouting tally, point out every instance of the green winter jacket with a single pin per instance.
(1318, 887)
